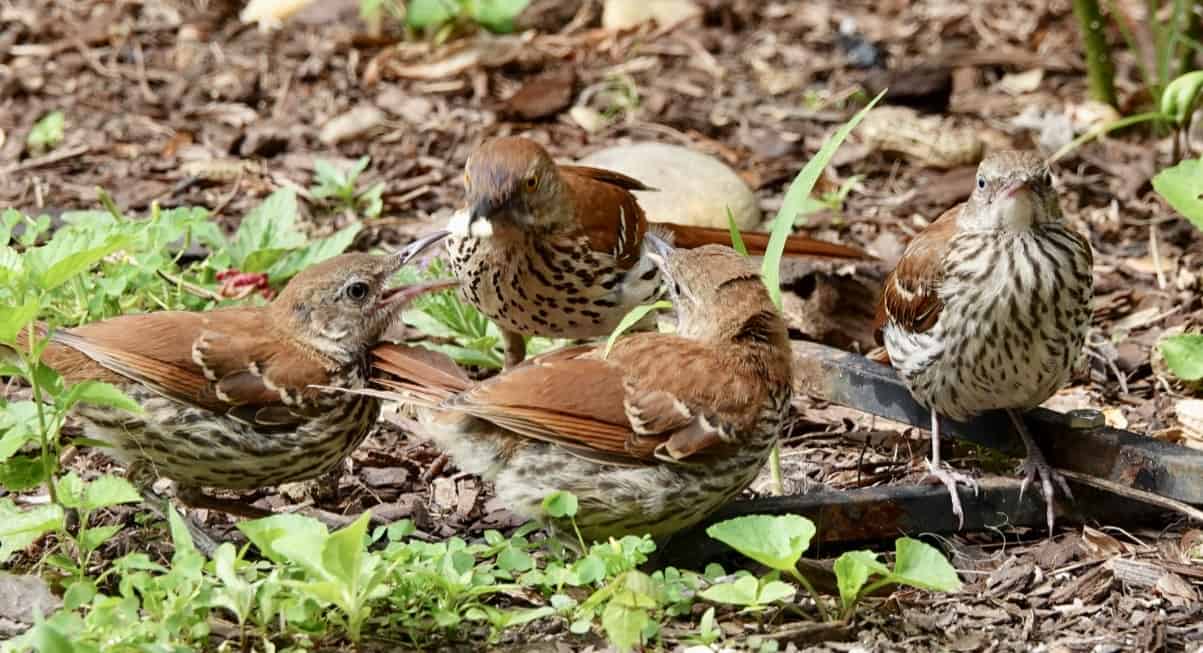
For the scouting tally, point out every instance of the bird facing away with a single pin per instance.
(563, 251)
(988, 307)
(652, 437)
(229, 395)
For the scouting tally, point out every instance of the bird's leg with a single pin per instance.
(1035, 465)
(142, 475)
(946, 475)
(515, 348)
(193, 497)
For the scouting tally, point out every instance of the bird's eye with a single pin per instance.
(357, 291)
(531, 182)
(981, 182)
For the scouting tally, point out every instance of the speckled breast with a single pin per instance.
(550, 287)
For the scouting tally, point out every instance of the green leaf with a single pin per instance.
(631, 319)
(776, 541)
(624, 623)
(775, 591)
(70, 488)
(420, 14)
(514, 559)
(1180, 187)
(99, 393)
(742, 591)
(315, 252)
(1184, 355)
(20, 528)
(269, 226)
(64, 269)
(852, 571)
(79, 593)
(498, 15)
(919, 564)
(15, 317)
(343, 553)
(560, 504)
(265, 533)
(91, 538)
(109, 490)
(1180, 96)
(261, 260)
(737, 239)
(798, 191)
(48, 639)
(23, 472)
(47, 132)
(181, 537)
(17, 422)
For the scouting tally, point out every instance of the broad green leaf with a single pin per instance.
(23, 472)
(79, 593)
(264, 533)
(91, 538)
(99, 393)
(70, 489)
(20, 528)
(12, 270)
(560, 504)
(109, 490)
(18, 422)
(776, 541)
(624, 623)
(342, 556)
(852, 571)
(798, 191)
(1184, 355)
(514, 559)
(14, 317)
(1180, 96)
(1180, 187)
(316, 252)
(775, 591)
(631, 319)
(588, 570)
(261, 260)
(921, 565)
(47, 132)
(271, 225)
(71, 265)
(742, 591)
(48, 639)
(498, 15)
(420, 14)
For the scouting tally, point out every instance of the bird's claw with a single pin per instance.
(951, 478)
(1034, 466)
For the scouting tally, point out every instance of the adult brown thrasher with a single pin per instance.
(988, 308)
(239, 398)
(651, 437)
(563, 251)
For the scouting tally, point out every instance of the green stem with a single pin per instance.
(31, 363)
(1099, 72)
(813, 594)
(1103, 129)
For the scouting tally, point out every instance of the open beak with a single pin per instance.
(419, 245)
(402, 295)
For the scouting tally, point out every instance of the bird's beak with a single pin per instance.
(661, 251)
(411, 251)
(402, 295)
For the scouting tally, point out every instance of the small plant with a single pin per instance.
(1180, 188)
(778, 542)
(441, 16)
(46, 133)
(341, 186)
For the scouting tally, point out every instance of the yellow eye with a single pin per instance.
(532, 182)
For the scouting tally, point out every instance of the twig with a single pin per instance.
(1133, 493)
(48, 159)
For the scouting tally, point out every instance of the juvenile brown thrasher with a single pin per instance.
(652, 437)
(231, 396)
(563, 251)
(988, 308)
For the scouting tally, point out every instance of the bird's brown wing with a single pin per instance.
(607, 212)
(910, 296)
(224, 361)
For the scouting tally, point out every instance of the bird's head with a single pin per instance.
(1013, 191)
(342, 306)
(512, 185)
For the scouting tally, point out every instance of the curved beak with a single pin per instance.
(419, 245)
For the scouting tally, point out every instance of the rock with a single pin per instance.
(624, 14)
(22, 598)
(692, 188)
(352, 124)
(379, 477)
(543, 96)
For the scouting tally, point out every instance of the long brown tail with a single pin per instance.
(424, 375)
(688, 237)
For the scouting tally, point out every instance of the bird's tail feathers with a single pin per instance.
(688, 237)
(424, 376)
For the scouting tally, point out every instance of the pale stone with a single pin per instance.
(624, 14)
(692, 188)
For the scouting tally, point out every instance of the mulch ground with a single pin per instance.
(179, 103)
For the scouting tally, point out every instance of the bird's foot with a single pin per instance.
(1035, 466)
(951, 478)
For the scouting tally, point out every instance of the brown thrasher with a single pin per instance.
(230, 395)
(563, 251)
(988, 308)
(651, 437)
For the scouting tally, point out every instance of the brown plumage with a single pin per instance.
(239, 398)
(988, 307)
(562, 250)
(650, 438)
